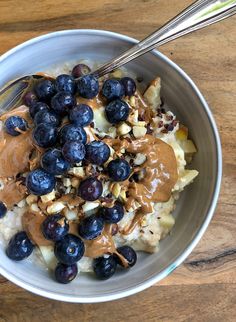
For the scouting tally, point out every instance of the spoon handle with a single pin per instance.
(200, 14)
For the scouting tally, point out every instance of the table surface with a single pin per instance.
(203, 288)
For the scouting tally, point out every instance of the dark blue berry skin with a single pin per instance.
(39, 182)
(90, 189)
(45, 135)
(104, 268)
(80, 70)
(53, 162)
(37, 107)
(117, 111)
(47, 117)
(87, 86)
(62, 102)
(128, 253)
(30, 99)
(13, 123)
(91, 227)
(129, 86)
(97, 152)
(55, 227)
(112, 215)
(69, 250)
(113, 89)
(65, 83)
(73, 151)
(64, 274)
(19, 247)
(81, 115)
(3, 209)
(45, 90)
(118, 170)
(72, 132)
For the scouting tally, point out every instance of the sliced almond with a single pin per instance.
(56, 207)
(123, 129)
(77, 171)
(48, 197)
(31, 199)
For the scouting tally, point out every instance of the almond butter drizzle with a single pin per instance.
(160, 174)
(15, 152)
(94, 103)
(31, 222)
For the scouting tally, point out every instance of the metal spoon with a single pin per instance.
(200, 14)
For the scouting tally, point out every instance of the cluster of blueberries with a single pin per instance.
(50, 102)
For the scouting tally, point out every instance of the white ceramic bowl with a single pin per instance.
(197, 203)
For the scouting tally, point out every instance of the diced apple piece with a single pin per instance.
(167, 221)
(100, 120)
(48, 256)
(188, 177)
(152, 93)
(182, 133)
(188, 146)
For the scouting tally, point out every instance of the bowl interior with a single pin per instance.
(192, 210)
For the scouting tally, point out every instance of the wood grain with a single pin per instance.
(204, 287)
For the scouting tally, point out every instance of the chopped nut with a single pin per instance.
(70, 214)
(68, 189)
(133, 117)
(124, 129)
(31, 199)
(140, 159)
(22, 203)
(122, 150)
(123, 195)
(90, 205)
(34, 207)
(132, 101)
(77, 171)
(139, 131)
(152, 94)
(75, 182)
(112, 132)
(56, 207)
(1, 185)
(116, 189)
(48, 197)
(66, 182)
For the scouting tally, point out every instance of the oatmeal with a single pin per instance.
(90, 172)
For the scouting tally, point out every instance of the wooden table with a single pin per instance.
(204, 287)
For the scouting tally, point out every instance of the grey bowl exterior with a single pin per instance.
(197, 203)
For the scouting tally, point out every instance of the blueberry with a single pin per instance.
(129, 86)
(45, 135)
(80, 70)
(45, 89)
(65, 273)
(81, 115)
(53, 162)
(112, 89)
(55, 227)
(91, 227)
(73, 151)
(72, 132)
(117, 111)
(118, 170)
(112, 215)
(30, 99)
(65, 83)
(39, 182)
(104, 267)
(47, 117)
(3, 209)
(69, 250)
(14, 125)
(97, 152)
(37, 107)
(90, 189)
(128, 253)
(62, 102)
(87, 86)
(19, 247)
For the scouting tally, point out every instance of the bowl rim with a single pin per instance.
(154, 279)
